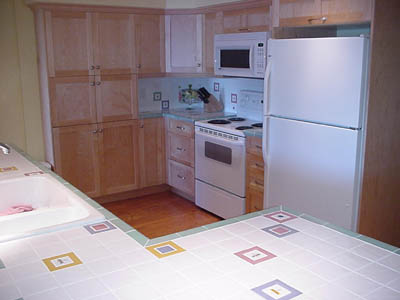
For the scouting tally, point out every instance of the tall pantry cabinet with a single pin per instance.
(92, 60)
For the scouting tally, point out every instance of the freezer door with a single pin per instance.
(312, 168)
(320, 80)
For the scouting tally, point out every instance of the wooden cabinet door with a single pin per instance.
(114, 43)
(72, 100)
(118, 144)
(299, 12)
(150, 43)
(181, 177)
(152, 152)
(212, 24)
(76, 157)
(234, 21)
(246, 20)
(69, 43)
(345, 11)
(116, 97)
(183, 43)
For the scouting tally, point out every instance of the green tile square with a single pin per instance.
(162, 239)
(221, 223)
(122, 225)
(138, 237)
(192, 231)
(377, 243)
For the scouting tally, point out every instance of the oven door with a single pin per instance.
(221, 162)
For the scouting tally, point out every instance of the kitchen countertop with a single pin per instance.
(271, 254)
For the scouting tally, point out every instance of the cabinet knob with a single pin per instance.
(138, 66)
(95, 131)
(91, 67)
(322, 19)
(180, 149)
(180, 177)
(199, 64)
(101, 130)
(243, 29)
(98, 67)
(98, 82)
(180, 127)
(92, 83)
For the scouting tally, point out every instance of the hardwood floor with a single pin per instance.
(160, 214)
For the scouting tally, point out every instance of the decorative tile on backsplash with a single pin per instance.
(157, 96)
(99, 227)
(165, 104)
(280, 230)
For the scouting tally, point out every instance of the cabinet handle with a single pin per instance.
(199, 64)
(180, 149)
(258, 147)
(91, 67)
(180, 177)
(95, 131)
(258, 183)
(98, 67)
(243, 29)
(98, 82)
(92, 83)
(322, 19)
(101, 130)
(180, 127)
(258, 165)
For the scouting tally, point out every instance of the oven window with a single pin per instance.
(239, 58)
(218, 153)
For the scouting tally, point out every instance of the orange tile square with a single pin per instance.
(61, 261)
(165, 249)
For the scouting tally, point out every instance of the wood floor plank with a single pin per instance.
(160, 214)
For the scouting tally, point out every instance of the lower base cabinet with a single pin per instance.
(254, 175)
(98, 159)
(181, 177)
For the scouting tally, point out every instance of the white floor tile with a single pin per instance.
(222, 288)
(4, 277)
(240, 228)
(370, 251)
(252, 278)
(278, 247)
(57, 293)
(302, 257)
(344, 241)
(85, 289)
(106, 265)
(52, 249)
(107, 296)
(17, 253)
(333, 292)
(168, 284)
(379, 273)
(235, 244)
(321, 232)
(278, 267)
(328, 270)
(72, 234)
(110, 236)
(301, 239)
(45, 239)
(139, 290)
(137, 257)
(118, 279)
(35, 285)
(304, 281)
(357, 284)
(258, 237)
(248, 295)
(216, 235)
(299, 224)
(395, 284)
(200, 273)
(350, 260)
(150, 269)
(260, 222)
(123, 246)
(72, 274)
(231, 263)
(210, 252)
(92, 253)
(383, 293)
(193, 241)
(195, 293)
(392, 261)
(9, 291)
(324, 249)
(182, 260)
(27, 270)
(87, 242)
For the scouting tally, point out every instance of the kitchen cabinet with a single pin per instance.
(98, 159)
(152, 152)
(254, 175)
(149, 44)
(246, 20)
(183, 43)
(83, 43)
(212, 24)
(180, 155)
(90, 99)
(317, 12)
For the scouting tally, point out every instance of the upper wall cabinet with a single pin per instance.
(80, 43)
(318, 12)
(183, 43)
(211, 25)
(246, 20)
(149, 44)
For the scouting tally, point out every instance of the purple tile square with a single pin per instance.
(255, 255)
(165, 249)
(276, 290)
(99, 227)
(279, 230)
(280, 216)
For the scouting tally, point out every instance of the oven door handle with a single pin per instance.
(222, 141)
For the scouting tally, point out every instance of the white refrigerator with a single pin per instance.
(313, 133)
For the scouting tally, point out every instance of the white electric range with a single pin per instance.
(220, 157)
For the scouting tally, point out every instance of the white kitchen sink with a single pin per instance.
(55, 207)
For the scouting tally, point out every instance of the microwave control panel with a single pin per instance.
(260, 58)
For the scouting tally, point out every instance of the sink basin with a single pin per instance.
(55, 207)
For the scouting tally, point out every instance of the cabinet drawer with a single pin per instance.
(181, 127)
(181, 149)
(181, 177)
(254, 145)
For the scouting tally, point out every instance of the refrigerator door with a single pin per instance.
(312, 168)
(319, 80)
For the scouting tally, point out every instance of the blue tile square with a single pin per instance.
(276, 290)
(99, 227)
(280, 230)
(165, 249)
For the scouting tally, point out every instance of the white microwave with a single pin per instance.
(240, 54)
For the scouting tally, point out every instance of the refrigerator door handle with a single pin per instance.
(266, 87)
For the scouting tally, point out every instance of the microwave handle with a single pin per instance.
(251, 55)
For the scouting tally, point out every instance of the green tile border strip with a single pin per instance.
(342, 230)
(125, 227)
(377, 243)
(2, 266)
(191, 231)
(161, 239)
(138, 237)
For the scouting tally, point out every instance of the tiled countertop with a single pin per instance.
(272, 254)
(184, 114)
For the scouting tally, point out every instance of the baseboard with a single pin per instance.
(183, 194)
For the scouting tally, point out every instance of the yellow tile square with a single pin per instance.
(156, 249)
(62, 261)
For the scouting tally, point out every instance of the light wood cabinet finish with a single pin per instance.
(183, 46)
(181, 149)
(181, 177)
(69, 43)
(77, 157)
(317, 12)
(149, 44)
(212, 24)
(118, 144)
(254, 175)
(72, 100)
(113, 43)
(246, 20)
(152, 152)
(116, 97)
(180, 127)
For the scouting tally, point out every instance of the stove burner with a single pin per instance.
(219, 121)
(237, 119)
(243, 127)
(257, 125)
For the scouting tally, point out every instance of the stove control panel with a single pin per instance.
(219, 134)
